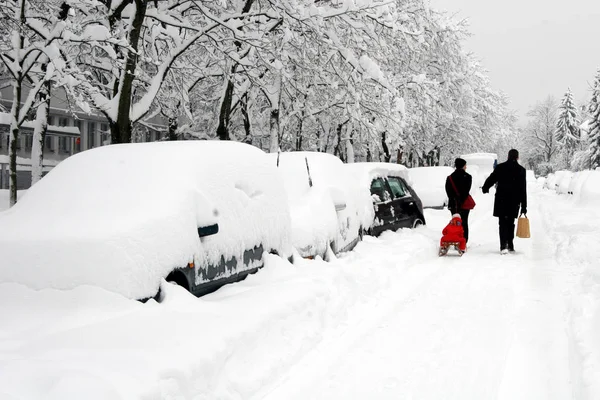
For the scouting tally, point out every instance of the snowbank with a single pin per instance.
(563, 182)
(315, 220)
(122, 217)
(429, 183)
(590, 190)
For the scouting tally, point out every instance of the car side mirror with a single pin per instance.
(376, 198)
(208, 230)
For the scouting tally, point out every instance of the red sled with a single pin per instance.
(453, 236)
(444, 247)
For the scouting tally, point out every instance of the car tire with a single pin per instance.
(417, 222)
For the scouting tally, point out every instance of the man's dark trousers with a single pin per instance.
(507, 232)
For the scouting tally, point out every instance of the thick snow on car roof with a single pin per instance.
(367, 171)
(123, 216)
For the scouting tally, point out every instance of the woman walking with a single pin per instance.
(458, 186)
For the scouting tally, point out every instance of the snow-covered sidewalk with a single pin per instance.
(388, 320)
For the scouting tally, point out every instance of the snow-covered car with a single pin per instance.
(429, 183)
(395, 204)
(480, 165)
(123, 217)
(328, 211)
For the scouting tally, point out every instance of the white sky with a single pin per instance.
(533, 48)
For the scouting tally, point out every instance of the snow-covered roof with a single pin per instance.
(5, 159)
(123, 216)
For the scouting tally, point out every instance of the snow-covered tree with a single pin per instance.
(594, 124)
(540, 133)
(567, 126)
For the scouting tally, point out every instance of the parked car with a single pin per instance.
(123, 217)
(327, 208)
(394, 202)
(430, 183)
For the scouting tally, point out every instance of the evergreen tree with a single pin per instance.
(567, 125)
(594, 125)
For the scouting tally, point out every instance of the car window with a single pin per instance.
(379, 191)
(398, 187)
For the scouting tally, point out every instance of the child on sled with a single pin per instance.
(453, 235)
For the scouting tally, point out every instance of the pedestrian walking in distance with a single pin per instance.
(511, 193)
(458, 186)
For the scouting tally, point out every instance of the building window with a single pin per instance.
(64, 144)
(78, 125)
(49, 143)
(63, 121)
(28, 142)
(91, 135)
(104, 134)
(1, 140)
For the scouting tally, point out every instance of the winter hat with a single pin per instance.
(459, 163)
(456, 216)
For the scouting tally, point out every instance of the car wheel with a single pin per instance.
(178, 278)
(417, 222)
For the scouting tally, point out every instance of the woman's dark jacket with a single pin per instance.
(462, 181)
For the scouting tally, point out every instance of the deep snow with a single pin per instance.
(387, 320)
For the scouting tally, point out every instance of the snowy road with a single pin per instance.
(388, 320)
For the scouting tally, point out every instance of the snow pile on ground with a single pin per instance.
(122, 217)
(429, 183)
(387, 320)
(93, 344)
(590, 190)
(563, 181)
(331, 210)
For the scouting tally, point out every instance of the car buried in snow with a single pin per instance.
(395, 203)
(328, 210)
(125, 217)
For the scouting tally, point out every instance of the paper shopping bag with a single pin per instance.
(523, 228)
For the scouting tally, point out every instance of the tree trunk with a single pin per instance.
(14, 138)
(122, 131)
(349, 145)
(246, 119)
(274, 130)
(225, 113)
(384, 146)
(337, 151)
(39, 133)
(173, 125)
(274, 122)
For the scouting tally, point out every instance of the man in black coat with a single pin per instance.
(462, 180)
(511, 193)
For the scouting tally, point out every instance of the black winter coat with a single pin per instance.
(463, 182)
(511, 191)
